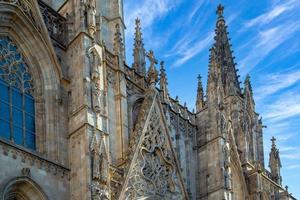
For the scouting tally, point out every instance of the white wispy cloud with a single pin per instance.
(293, 166)
(273, 13)
(196, 8)
(288, 105)
(284, 137)
(288, 148)
(147, 11)
(291, 156)
(186, 53)
(265, 42)
(276, 82)
(190, 45)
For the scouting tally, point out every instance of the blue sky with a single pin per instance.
(265, 37)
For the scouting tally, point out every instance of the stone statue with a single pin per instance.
(95, 77)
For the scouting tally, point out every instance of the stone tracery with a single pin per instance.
(153, 173)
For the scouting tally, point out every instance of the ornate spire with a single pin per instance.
(200, 95)
(223, 58)
(152, 74)
(118, 42)
(275, 163)
(163, 82)
(248, 93)
(139, 52)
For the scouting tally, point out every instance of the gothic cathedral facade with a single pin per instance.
(78, 123)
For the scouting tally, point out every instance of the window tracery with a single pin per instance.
(17, 111)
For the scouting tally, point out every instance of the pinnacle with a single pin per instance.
(152, 72)
(138, 51)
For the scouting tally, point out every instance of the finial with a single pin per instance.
(199, 79)
(273, 139)
(152, 72)
(247, 79)
(138, 29)
(220, 10)
(137, 22)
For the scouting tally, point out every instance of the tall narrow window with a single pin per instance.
(17, 113)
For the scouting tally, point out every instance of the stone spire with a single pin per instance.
(152, 74)
(223, 58)
(163, 82)
(139, 52)
(118, 43)
(274, 162)
(200, 95)
(248, 93)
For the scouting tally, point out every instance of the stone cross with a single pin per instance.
(220, 10)
(199, 78)
(151, 58)
(273, 140)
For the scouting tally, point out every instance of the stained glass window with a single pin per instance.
(17, 112)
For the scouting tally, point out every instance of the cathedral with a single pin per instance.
(77, 122)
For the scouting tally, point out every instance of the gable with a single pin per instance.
(153, 172)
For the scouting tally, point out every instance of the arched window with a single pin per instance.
(17, 112)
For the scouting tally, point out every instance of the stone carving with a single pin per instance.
(55, 23)
(34, 160)
(152, 173)
(100, 167)
(27, 7)
(25, 172)
(227, 170)
(98, 97)
(111, 77)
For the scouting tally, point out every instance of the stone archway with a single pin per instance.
(23, 188)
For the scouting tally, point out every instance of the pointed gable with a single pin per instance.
(153, 171)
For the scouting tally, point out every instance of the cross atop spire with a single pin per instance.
(220, 10)
(273, 139)
(200, 95)
(199, 79)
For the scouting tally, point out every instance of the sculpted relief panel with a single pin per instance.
(153, 172)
